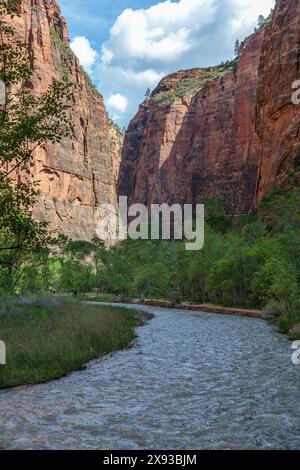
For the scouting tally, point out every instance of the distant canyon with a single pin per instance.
(228, 132)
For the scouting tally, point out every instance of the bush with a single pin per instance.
(272, 311)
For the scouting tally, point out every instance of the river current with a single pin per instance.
(191, 381)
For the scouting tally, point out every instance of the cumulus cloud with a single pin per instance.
(146, 44)
(117, 102)
(82, 48)
(247, 12)
(161, 32)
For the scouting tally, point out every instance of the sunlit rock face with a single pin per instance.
(213, 134)
(203, 134)
(278, 118)
(80, 173)
(188, 144)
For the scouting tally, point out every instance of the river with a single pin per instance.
(192, 381)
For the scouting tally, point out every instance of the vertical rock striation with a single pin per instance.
(278, 119)
(227, 132)
(77, 174)
(221, 134)
(195, 138)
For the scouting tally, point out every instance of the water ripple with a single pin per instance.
(193, 381)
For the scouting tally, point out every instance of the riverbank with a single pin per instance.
(194, 382)
(204, 308)
(293, 330)
(54, 338)
(293, 333)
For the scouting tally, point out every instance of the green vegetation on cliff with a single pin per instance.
(189, 85)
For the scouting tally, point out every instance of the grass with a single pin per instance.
(60, 44)
(287, 324)
(63, 60)
(99, 297)
(190, 85)
(48, 340)
(284, 322)
(294, 336)
(89, 81)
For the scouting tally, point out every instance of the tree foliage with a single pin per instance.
(251, 262)
(27, 122)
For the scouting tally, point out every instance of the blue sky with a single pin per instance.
(94, 18)
(129, 45)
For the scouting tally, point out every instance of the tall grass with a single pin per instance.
(47, 339)
(100, 297)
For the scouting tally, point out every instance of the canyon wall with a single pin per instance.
(278, 119)
(229, 132)
(225, 133)
(77, 174)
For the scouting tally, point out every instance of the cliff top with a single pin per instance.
(177, 85)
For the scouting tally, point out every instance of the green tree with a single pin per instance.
(237, 46)
(276, 281)
(215, 215)
(77, 272)
(261, 21)
(27, 122)
(224, 281)
(254, 232)
(152, 280)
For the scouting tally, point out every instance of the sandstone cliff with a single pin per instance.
(278, 119)
(220, 133)
(75, 175)
(195, 138)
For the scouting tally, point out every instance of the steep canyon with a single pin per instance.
(76, 175)
(229, 132)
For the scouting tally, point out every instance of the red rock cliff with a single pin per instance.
(221, 134)
(195, 138)
(75, 175)
(278, 119)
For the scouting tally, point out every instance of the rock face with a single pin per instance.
(195, 138)
(220, 134)
(278, 119)
(76, 175)
(225, 132)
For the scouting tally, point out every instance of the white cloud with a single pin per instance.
(82, 48)
(117, 102)
(107, 56)
(138, 79)
(161, 32)
(248, 11)
(146, 44)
